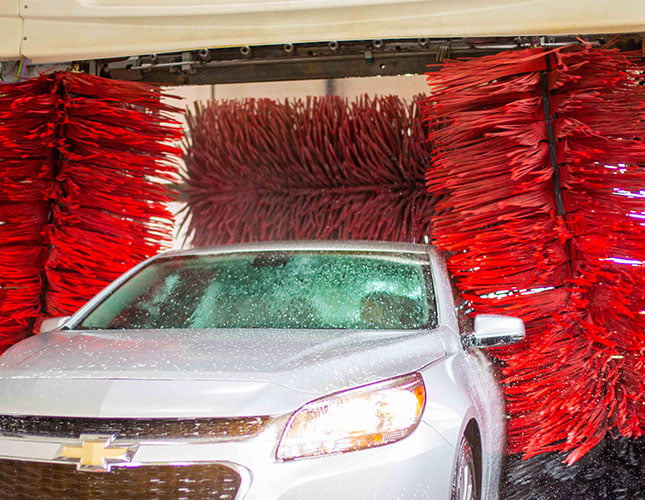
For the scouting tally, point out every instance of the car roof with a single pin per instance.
(333, 245)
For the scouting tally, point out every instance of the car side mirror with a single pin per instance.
(50, 324)
(492, 330)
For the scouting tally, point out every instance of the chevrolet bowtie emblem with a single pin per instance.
(96, 453)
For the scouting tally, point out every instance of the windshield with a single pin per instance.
(312, 290)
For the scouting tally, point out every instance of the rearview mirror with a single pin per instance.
(492, 330)
(50, 324)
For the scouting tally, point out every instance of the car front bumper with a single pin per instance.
(419, 466)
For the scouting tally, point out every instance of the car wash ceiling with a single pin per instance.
(322, 60)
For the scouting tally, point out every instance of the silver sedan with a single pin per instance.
(331, 370)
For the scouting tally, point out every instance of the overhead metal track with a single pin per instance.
(320, 60)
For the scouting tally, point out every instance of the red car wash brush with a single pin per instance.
(537, 160)
(26, 184)
(84, 162)
(259, 170)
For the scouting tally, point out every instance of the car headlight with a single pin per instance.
(368, 416)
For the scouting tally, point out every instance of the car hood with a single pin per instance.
(240, 371)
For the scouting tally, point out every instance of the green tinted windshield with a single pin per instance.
(344, 290)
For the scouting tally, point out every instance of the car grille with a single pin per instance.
(127, 428)
(30, 480)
